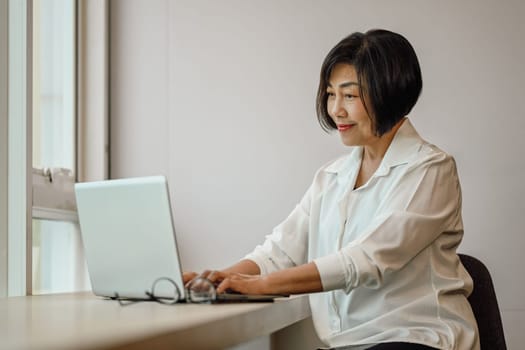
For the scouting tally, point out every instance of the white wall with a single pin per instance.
(219, 96)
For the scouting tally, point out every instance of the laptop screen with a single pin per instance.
(129, 237)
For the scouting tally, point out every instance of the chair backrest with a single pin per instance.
(484, 305)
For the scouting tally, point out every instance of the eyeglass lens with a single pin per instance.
(201, 290)
(165, 290)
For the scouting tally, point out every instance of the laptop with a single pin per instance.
(129, 240)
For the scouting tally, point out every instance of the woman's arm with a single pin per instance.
(295, 280)
(246, 267)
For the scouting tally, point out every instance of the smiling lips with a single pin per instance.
(344, 127)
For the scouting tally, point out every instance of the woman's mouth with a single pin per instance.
(344, 127)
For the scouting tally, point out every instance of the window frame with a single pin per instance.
(3, 145)
(17, 176)
(19, 153)
(93, 150)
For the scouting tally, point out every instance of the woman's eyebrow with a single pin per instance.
(345, 84)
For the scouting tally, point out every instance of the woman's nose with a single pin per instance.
(337, 108)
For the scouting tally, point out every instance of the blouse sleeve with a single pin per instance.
(425, 204)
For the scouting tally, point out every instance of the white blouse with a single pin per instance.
(386, 251)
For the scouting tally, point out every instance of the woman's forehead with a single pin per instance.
(343, 75)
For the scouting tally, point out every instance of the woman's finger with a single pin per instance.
(214, 276)
(245, 284)
(188, 276)
(205, 273)
(225, 285)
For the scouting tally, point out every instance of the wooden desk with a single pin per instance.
(83, 321)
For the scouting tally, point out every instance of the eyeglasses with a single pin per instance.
(165, 291)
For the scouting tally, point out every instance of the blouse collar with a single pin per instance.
(404, 145)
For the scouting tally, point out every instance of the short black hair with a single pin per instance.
(388, 74)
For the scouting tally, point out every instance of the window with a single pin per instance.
(57, 259)
(48, 139)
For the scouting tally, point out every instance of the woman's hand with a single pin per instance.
(244, 284)
(214, 276)
(295, 280)
(229, 281)
(188, 276)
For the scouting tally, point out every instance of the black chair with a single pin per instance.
(485, 305)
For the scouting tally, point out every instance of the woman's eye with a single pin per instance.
(349, 97)
(330, 94)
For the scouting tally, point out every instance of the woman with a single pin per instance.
(374, 238)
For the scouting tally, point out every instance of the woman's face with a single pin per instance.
(346, 108)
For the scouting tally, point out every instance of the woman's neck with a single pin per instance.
(374, 152)
(373, 155)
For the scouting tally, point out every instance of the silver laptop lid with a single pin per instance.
(128, 235)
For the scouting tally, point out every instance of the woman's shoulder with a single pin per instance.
(431, 160)
(431, 154)
(410, 148)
